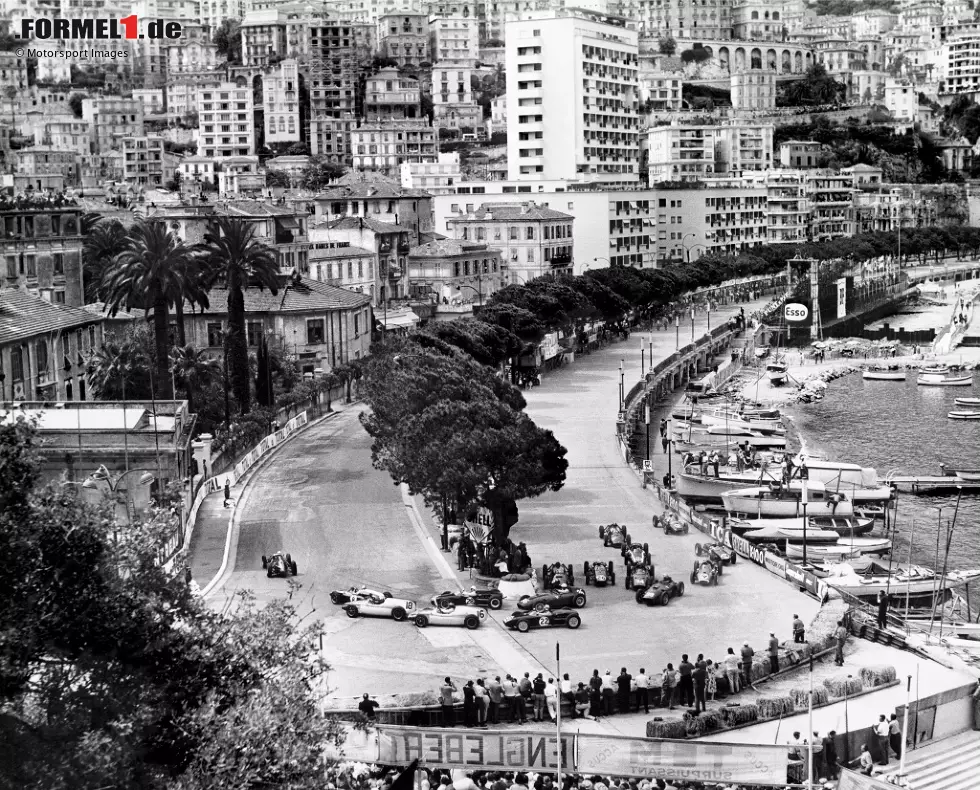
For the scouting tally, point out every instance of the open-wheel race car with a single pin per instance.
(599, 574)
(346, 596)
(670, 524)
(614, 535)
(716, 550)
(464, 616)
(491, 599)
(706, 572)
(279, 565)
(639, 577)
(558, 574)
(561, 598)
(543, 618)
(659, 592)
(636, 554)
(377, 605)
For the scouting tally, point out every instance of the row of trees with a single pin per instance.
(113, 674)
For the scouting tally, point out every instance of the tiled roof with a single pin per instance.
(359, 223)
(295, 296)
(23, 315)
(511, 212)
(445, 247)
(100, 309)
(338, 252)
(354, 184)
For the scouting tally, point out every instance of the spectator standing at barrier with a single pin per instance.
(642, 682)
(595, 695)
(227, 492)
(608, 692)
(624, 684)
(700, 676)
(895, 735)
(551, 699)
(446, 701)
(482, 699)
(882, 609)
(817, 755)
(773, 654)
(830, 755)
(367, 706)
(731, 671)
(668, 684)
(537, 689)
(581, 702)
(567, 689)
(685, 684)
(495, 690)
(469, 704)
(881, 731)
(514, 701)
(799, 630)
(747, 655)
(841, 635)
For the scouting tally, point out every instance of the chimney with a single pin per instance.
(524, 208)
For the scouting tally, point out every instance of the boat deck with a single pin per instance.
(920, 484)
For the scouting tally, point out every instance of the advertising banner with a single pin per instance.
(589, 754)
(842, 297)
(549, 346)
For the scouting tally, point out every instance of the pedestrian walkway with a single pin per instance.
(950, 764)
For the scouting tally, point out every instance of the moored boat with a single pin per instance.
(779, 501)
(777, 372)
(943, 380)
(917, 584)
(691, 484)
(878, 374)
(768, 528)
(967, 402)
(821, 551)
(964, 415)
(688, 435)
(734, 421)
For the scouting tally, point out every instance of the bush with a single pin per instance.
(800, 696)
(676, 730)
(734, 715)
(843, 687)
(875, 676)
(774, 707)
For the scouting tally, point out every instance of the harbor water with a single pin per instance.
(899, 426)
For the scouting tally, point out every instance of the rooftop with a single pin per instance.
(295, 295)
(360, 223)
(443, 248)
(23, 315)
(527, 212)
(32, 202)
(363, 185)
(338, 252)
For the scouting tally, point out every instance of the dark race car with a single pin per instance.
(670, 524)
(346, 596)
(659, 593)
(279, 564)
(557, 575)
(771, 548)
(614, 535)
(543, 618)
(487, 598)
(635, 554)
(639, 577)
(706, 572)
(563, 598)
(599, 574)
(716, 550)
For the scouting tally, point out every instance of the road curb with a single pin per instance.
(234, 518)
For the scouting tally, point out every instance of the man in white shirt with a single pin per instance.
(881, 730)
(567, 689)
(642, 682)
(551, 697)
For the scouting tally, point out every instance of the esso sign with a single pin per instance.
(796, 312)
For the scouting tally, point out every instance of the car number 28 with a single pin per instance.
(544, 621)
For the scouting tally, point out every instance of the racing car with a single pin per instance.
(639, 577)
(377, 605)
(716, 550)
(345, 596)
(543, 618)
(562, 598)
(706, 572)
(670, 524)
(614, 535)
(493, 599)
(467, 616)
(659, 592)
(557, 575)
(635, 554)
(599, 573)
(279, 564)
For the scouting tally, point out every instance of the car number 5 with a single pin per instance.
(544, 621)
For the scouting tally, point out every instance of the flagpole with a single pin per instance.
(905, 727)
(558, 710)
(809, 740)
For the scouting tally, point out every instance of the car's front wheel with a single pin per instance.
(472, 622)
(574, 621)
(523, 626)
(639, 596)
(351, 611)
(421, 620)
(293, 568)
(579, 601)
(398, 614)
(496, 602)
(334, 598)
(697, 549)
(665, 599)
(734, 557)
(680, 589)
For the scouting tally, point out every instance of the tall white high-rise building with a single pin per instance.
(227, 126)
(572, 92)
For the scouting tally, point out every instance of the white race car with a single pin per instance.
(377, 605)
(466, 616)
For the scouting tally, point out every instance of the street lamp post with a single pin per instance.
(692, 324)
(596, 260)
(622, 392)
(478, 290)
(643, 360)
(677, 326)
(708, 314)
(804, 476)
(101, 475)
(646, 420)
(686, 248)
(670, 469)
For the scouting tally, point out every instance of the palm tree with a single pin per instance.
(194, 370)
(148, 274)
(193, 290)
(103, 242)
(237, 258)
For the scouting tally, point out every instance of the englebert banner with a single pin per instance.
(585, 754)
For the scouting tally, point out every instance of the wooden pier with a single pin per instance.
(919, 484)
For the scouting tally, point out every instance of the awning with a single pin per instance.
(288, 222)
(401, 320)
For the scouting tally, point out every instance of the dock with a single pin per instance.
(918, 484)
